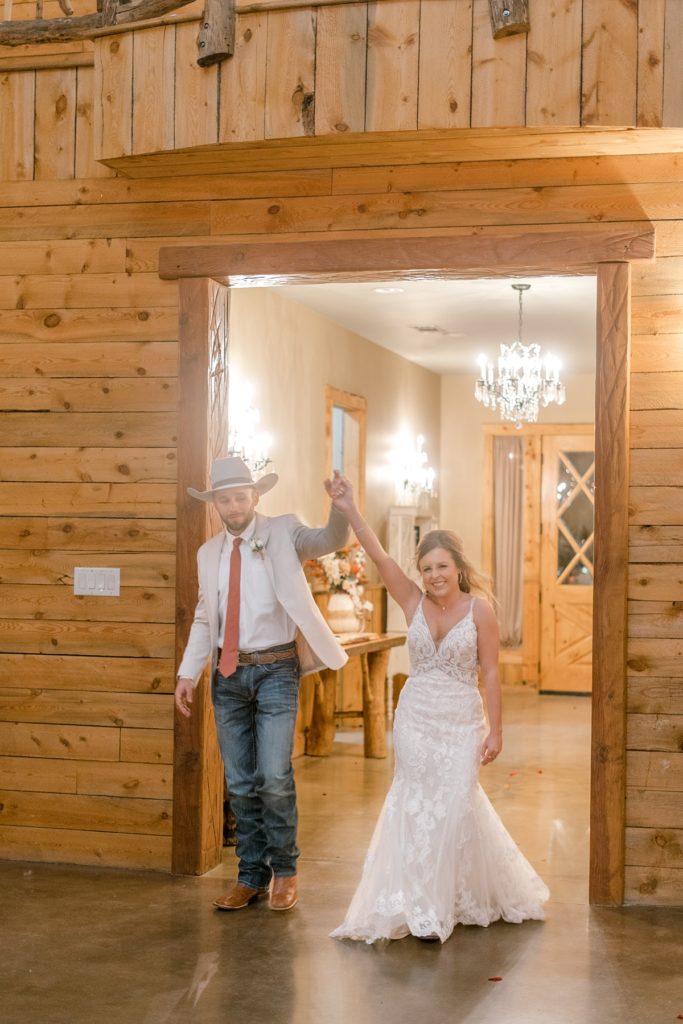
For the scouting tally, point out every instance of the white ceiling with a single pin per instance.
(474, 316)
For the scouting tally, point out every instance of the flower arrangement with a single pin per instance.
(257, 545)
(342, 571)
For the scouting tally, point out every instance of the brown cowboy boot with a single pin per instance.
(283, 894)
(238, 896)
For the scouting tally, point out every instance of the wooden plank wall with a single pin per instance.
(396, 65)
(88, 408)
(88, 404)
(654, 797)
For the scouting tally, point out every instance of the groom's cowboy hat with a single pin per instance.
(232, 472)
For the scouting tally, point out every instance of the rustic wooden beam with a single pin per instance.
(509, 17)
(608, 768)
(86, 26)
(197, 774)
(216, 40)
(465, 253)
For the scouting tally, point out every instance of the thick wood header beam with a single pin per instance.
(464, 253)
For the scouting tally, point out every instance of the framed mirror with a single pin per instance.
(345, 426)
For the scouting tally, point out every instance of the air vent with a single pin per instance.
(428, 328)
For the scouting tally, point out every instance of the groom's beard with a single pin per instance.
(237, 522)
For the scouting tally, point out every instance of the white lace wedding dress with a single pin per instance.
(440, 854)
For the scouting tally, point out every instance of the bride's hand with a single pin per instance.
(491, 748)
(340, 491)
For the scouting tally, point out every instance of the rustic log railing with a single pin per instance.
(85, 26)
(217, 33)
(216, 40)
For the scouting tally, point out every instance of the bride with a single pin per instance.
(440, 855)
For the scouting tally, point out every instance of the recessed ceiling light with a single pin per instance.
(388, 291)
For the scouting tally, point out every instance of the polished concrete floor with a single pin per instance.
(86, 946)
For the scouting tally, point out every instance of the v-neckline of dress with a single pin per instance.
(439, 645)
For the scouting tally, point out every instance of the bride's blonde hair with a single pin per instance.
(471, 580)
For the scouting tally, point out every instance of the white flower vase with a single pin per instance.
(341, 615)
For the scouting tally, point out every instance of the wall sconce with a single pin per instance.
(244, 437)
(413, 476)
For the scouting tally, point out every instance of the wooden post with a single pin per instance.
(608, 770)
(198, 774)
(374, 666)
(509, 17)
(216, 39)
(320, 735)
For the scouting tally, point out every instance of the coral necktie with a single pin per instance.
(231, 637)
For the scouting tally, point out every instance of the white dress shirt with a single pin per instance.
(263, 621)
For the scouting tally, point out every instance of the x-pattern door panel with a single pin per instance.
(568, 502)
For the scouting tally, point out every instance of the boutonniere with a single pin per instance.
(257, 545)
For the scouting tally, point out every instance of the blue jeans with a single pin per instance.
(255, 712)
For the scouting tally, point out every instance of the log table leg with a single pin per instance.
(374, 703)
(320, 734)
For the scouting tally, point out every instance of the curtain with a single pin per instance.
(508, 467)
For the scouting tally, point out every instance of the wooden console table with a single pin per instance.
(373, 652)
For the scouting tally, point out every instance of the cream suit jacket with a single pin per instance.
(286, 543)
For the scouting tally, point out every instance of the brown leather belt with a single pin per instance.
(266, 657)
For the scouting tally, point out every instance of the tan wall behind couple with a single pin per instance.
(289, 353)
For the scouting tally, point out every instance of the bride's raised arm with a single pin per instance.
(404, 591)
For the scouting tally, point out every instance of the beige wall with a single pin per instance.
(462, 444)
(289, 353)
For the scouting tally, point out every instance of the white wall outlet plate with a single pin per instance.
(97, 582)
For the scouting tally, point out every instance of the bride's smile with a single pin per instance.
(441, 579)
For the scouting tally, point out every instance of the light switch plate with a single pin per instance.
(97, 582)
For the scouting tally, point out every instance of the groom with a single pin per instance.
(258, 625)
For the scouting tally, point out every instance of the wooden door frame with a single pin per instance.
(532, 435)
(356, 406)
(603, 250)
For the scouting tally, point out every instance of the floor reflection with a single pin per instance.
(80, 946)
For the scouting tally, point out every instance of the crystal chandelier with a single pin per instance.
(524, 381)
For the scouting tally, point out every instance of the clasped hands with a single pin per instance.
(340, 491)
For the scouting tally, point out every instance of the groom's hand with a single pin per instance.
(183, 697)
